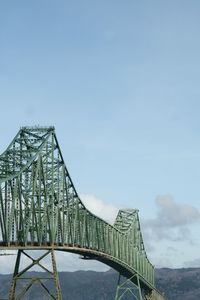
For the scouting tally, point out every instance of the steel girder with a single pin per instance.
(39, 207)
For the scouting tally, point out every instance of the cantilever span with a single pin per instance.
(40, 209)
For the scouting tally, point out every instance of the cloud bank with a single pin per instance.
(172, 220)
(105, 211)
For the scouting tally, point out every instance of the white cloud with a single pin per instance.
(172, 221)
(173, 228)
(172, 214)
(105, 211)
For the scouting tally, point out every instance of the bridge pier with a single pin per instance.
(129, 288)
(22, 281)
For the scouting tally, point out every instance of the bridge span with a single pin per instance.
(40, 209)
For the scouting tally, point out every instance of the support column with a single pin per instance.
(22, 281)
(129, 289)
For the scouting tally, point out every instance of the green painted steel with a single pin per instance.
(40, 208)
(127, 288)
(21, 276)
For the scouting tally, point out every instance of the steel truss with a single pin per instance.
(39, 207)
(128, 287)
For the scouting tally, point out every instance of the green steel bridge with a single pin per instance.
(41, 210)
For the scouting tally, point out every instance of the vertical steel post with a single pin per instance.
(14, 279)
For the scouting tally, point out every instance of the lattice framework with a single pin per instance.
(39, 207)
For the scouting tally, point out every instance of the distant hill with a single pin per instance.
(179, 284)
(176, 284)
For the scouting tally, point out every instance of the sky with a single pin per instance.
(119, 80)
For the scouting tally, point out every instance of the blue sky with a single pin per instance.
(120, 82)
